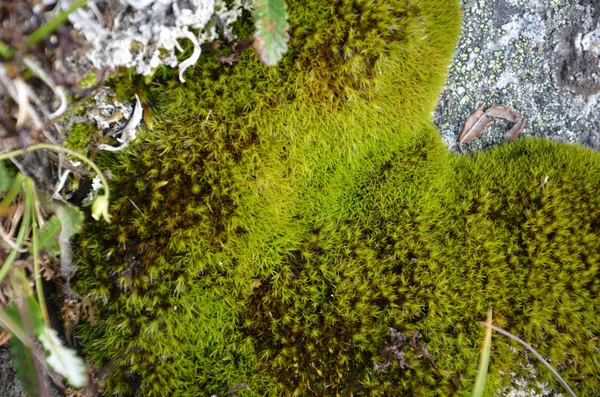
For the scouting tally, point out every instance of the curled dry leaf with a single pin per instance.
(479, 120)
(512, 134)
(238, 48)
(503, 113)
(474, 126)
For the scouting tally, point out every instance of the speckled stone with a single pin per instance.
(539, 57)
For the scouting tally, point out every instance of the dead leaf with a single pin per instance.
(230, 60)
(503, 113)
(479, 120)
(512, 134)
(474, 126)
(147, 116)
(238, 48)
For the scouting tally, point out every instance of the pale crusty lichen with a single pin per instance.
(144, 34)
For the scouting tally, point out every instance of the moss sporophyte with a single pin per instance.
(311, 206)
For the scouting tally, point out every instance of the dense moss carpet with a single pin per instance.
(277, 222)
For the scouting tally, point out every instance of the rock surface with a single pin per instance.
(539, 57)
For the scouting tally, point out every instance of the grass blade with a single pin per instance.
(484, 359)
(49, 27)
(535, 353)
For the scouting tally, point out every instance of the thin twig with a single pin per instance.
(16, 218)
(30, 194)
(535, 353)
(60, 149)
(59, 92)
(7, 238)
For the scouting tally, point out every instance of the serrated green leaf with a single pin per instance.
(5, 178)
(71, 218)
(271, 37)
(62, 359)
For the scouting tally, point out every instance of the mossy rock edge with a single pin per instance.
(277, 222)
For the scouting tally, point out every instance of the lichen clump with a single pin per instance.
(277, 222)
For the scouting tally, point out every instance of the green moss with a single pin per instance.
(276, 222)
(80, 137)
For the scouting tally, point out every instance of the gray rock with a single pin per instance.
(539, 57)
(10, 386)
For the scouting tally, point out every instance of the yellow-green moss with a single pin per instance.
(276, 222)
(80, 136)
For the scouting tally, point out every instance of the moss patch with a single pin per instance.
(276, 222)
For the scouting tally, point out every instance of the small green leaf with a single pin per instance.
(5, 178)
(71, 218)
(63, 225)
(271, 37)
(23, 360)
(49, 236)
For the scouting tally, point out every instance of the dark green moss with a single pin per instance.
(276, 222)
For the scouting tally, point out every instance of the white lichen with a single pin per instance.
(128, 133)
(147, 34)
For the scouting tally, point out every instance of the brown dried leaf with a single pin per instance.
(471, 120)
(147, 116)
(229, 60)
(238, 48)
(474, 126)
(512, 134)
(503, 113)
(478, 125)
(479, 120)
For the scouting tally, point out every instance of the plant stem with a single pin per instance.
(30, 194)
(484, 359)
(41, 146)
(22, 230)
(46, 29)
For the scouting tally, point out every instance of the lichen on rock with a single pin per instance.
(146, 34)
